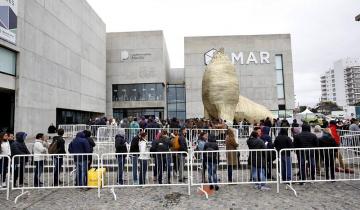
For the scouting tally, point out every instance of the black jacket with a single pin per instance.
(120, 144)
(256, 158)
(162, 145)
(305, 139)
(283, 142)
(60, 144)
(92, 144)
(211, 145)
(134, 146)
(183, 144)
(327, 141)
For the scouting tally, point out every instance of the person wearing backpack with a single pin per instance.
(161, 160)
(120, 147)
(212, 159)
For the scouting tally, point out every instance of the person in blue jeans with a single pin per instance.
(121, 150)
(283, 141)
(212, 157)
(39, 149)
(257, 160)
(80, 146)
(134, 148)
(143, 158)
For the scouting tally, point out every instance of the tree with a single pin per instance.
(326, 107)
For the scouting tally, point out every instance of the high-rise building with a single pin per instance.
(341, 84)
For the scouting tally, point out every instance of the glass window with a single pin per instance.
(171, 95)
(280, 91)
(278, 62)
(180, 94)
(180, 107)
(279, 77)
(7, 61)
(172, 107)
(138, 92)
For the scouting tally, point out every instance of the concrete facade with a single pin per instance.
(134, 58)
(257, 80)
(60, 63)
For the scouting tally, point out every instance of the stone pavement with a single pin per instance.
(339, 195)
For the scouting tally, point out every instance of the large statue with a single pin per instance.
(220, 88)
(221, 96)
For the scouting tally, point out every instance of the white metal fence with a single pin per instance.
(225, 167)
(5, 174)
(350, 140)
(319, 164)
(52, 171)
(155, 169)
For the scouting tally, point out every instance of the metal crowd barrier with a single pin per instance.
(244, 131)
(350, 140)
(145, 169)
(319, 165)
(347, 132)
(53, 171)
(107, 134)
(224, 167)
(218, 133)
(5, 174)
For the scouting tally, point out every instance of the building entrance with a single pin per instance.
(7, 109)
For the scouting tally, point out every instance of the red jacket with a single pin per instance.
(334, 134)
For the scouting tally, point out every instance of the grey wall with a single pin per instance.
(150, 64)
(61, 61)
(257, 81)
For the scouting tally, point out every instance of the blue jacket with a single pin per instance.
(79, 145)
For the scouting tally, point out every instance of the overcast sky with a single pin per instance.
(321, 31)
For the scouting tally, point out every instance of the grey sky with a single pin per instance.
(322, 31)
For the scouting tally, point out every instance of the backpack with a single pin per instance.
(161, 146)
(119, 140)
(53, 148)
(175, 143)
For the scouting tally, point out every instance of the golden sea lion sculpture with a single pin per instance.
(221, 96)
(220, 88)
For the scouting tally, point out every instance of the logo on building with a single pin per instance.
(8, 20)
(242, 58)
(124, 55)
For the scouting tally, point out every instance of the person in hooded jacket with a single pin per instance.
(283, 141)
(270, 157)
(161, 160)
(257, 160)
(80, 145)
(306, 139)
(120, 146)
(18, 147)
(328, 155)
(212, 159)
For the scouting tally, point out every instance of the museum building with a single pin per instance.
(58, 65)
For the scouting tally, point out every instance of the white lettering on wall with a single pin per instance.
(237, 57)
(264, 57)
(261, 57)
(251, 58)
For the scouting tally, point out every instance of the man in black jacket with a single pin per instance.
(120, 146)
(58, 160)
(257, 160)
(163, 145)
(283, 141)
(212, 159)
(306, 139)
(19, 148)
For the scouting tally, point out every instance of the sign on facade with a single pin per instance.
(8, 20)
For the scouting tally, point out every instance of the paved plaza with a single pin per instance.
(339, 195)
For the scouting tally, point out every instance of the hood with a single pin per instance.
(305, 128)
(80, 135)
(20, 136)
(251, 141)
(265, 130)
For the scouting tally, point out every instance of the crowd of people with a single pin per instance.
(142, 145)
